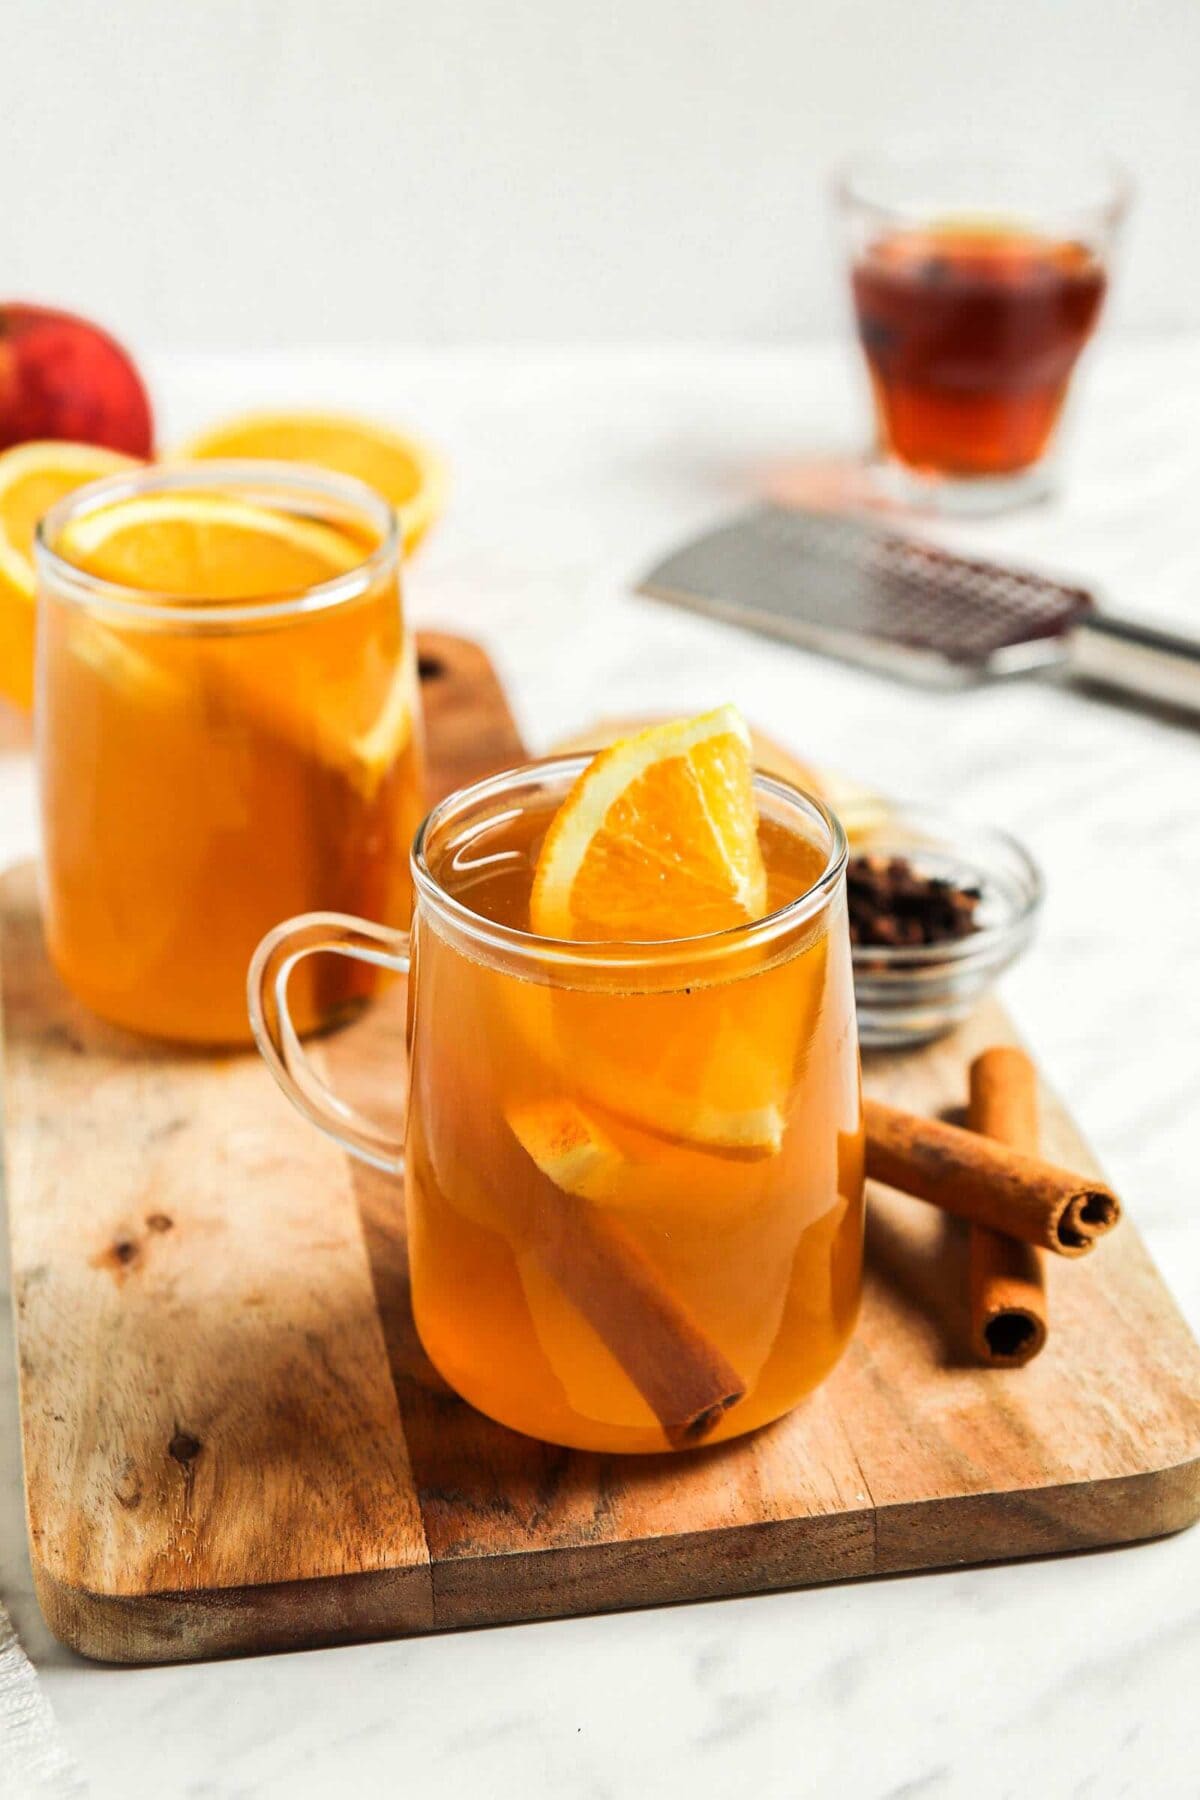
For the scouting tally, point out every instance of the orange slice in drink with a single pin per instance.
(657, 839)
(403, 469)
(711, 1067)
(213, 547)
(568, 1147)
(33, 478)
(207, 547)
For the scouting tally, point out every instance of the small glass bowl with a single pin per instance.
(912, 994)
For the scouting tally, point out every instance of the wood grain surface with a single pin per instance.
(233, 1441)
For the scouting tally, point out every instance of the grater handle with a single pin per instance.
(1135, 658)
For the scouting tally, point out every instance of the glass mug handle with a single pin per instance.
(312, 934)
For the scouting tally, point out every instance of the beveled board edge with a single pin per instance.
(194, 1627)
(464, 1593)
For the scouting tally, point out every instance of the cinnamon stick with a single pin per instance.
(988, 1183)
(1006, 1283)
(600, 1267)
(589, 1253)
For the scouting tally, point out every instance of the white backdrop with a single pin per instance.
(207, 173)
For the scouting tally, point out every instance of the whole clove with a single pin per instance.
(894, 906)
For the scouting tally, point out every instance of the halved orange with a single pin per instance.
(657, 839)
(400, 467)
(33, 478)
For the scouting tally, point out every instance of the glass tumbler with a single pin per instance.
(977, 280)
(214, 756)
(634, 1171)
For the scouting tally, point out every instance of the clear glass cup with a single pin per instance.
(208, 763)
(977, 280)
(909, 994)
(634, 1171)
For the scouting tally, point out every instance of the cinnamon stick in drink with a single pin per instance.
(598, 1265)
(988, 1183)
(679, 1372)
(1006, 1283)
(553, 1190)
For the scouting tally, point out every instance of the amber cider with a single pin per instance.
(197, 786)
(633, 1181)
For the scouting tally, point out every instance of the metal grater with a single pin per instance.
(835, 583)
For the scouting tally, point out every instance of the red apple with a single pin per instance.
(61, 377)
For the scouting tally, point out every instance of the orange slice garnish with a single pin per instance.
(404, 470)
(657, 839)
(860, 808)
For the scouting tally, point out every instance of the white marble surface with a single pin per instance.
(1073, 1677)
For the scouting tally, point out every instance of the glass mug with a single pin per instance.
(211, 760)
(978, 279)
(634, 1171)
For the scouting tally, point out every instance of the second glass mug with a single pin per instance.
(211, 759)
(634, 1171)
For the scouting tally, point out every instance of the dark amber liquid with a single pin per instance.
(971, 336)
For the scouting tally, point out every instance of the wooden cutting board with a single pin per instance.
(233, 1441)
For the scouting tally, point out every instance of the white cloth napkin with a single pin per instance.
(35, 1764)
